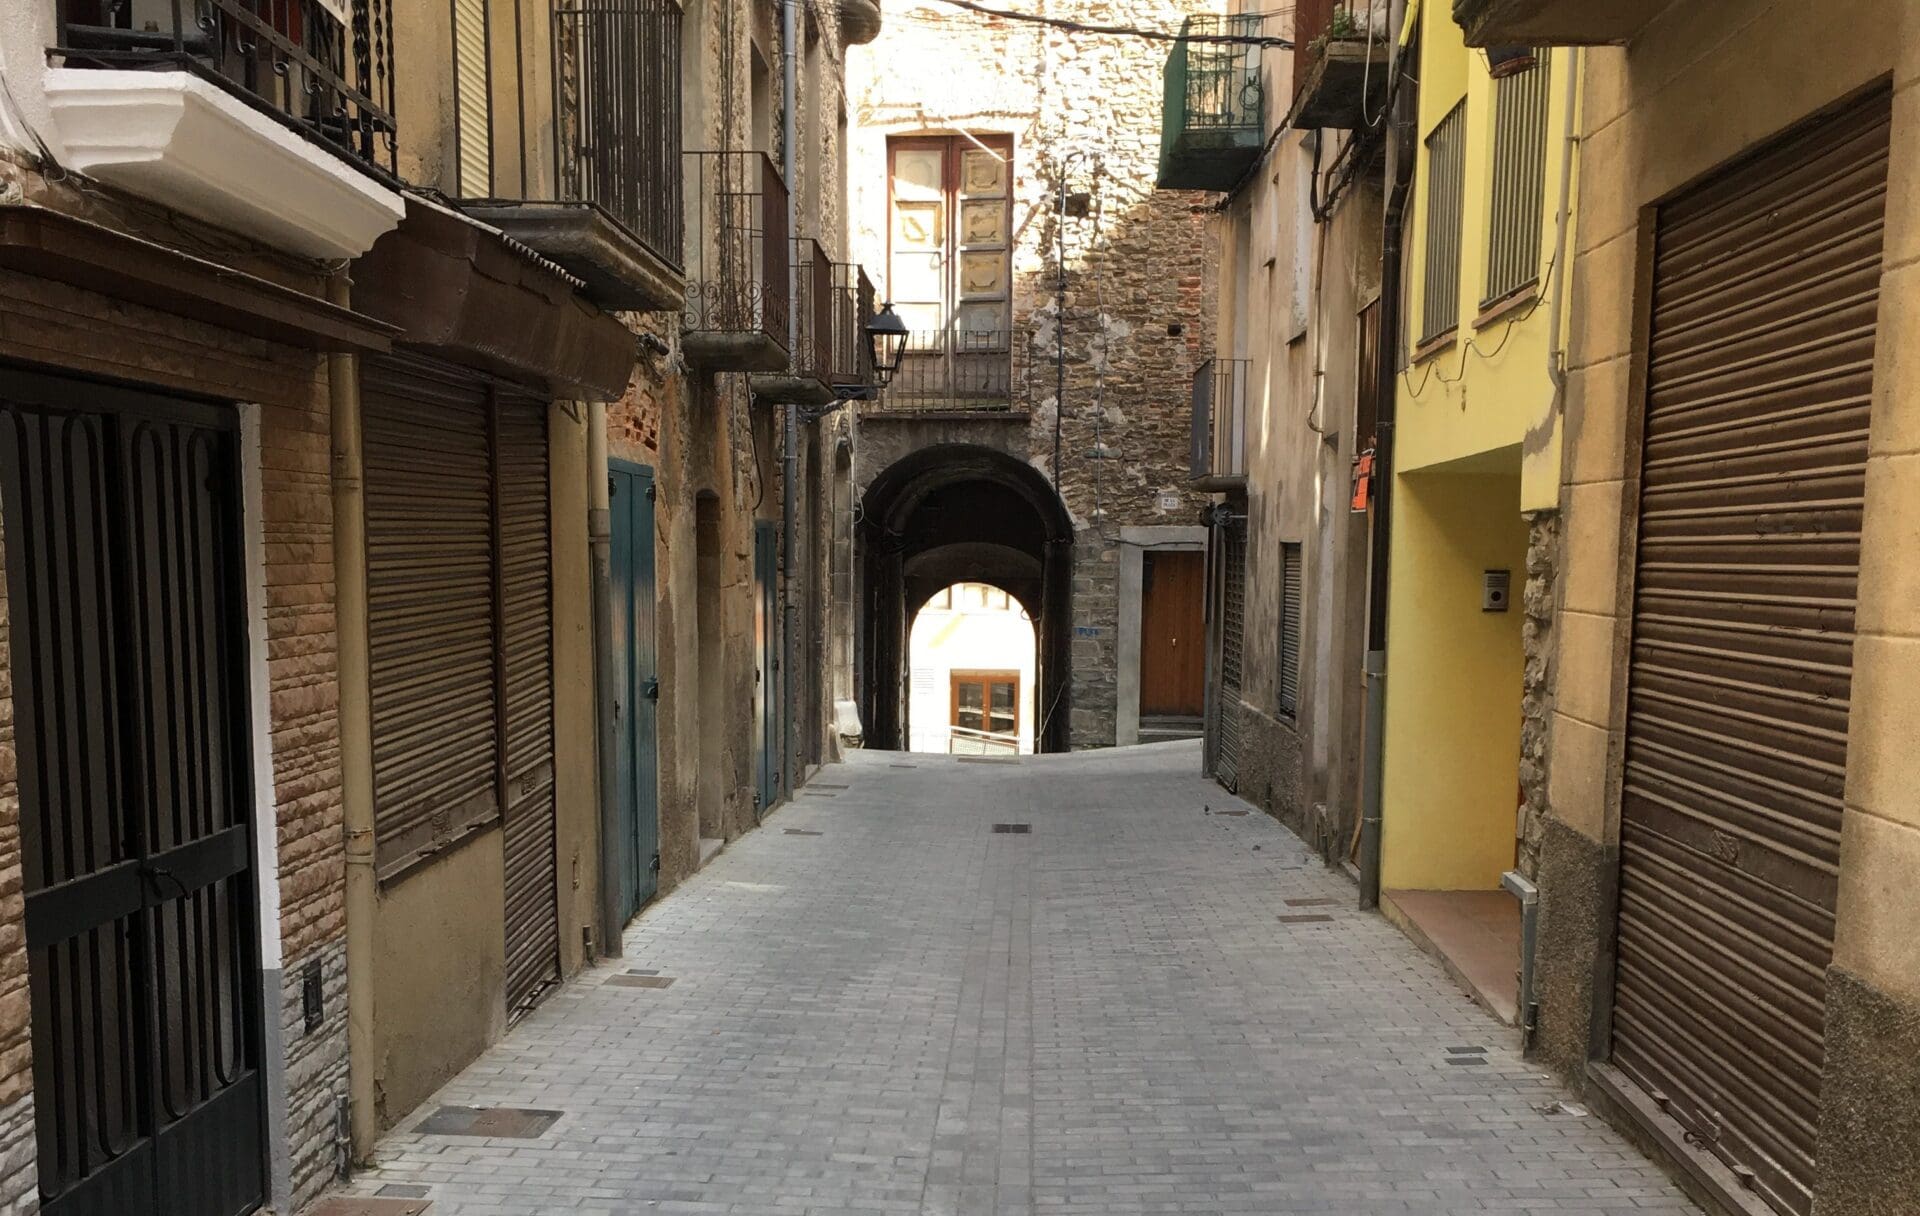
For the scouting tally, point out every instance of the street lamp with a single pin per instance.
(886, 342)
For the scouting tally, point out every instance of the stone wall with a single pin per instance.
(1083, 111)
(1536, 698)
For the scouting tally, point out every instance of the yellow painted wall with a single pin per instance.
(1453, 680)
(1492, 388)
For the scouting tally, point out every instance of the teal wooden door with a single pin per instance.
(636, 683)
(766, 648)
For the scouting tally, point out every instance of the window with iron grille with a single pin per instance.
(1290, 597)
(1519, 181)
(1446, 179)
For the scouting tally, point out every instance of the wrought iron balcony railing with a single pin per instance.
(948, 369)
(1219, 456)
(1339, 63)
(808, 377)
(853, 306)
(1212, 123)
(616, 103)
(325, 67)
(738, 300)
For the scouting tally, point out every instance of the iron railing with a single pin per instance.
(616, 104)
(737, 249)
(813, 302)
(1214, 104)
(1219, 434)
(1519, 181)
(852, 357)
(329, 78)
(1446, 185)
(947, 369)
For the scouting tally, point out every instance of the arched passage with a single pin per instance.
(956, 513)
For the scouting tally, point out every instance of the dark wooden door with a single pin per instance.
(124, 581)
(636, 684)
(1173, 666)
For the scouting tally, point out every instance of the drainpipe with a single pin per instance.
(1563, 267)
(606, 697)
(1529, 897)
(356, 730)
(790, 422)
(1400, 163)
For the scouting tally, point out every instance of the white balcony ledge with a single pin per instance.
(186, 143)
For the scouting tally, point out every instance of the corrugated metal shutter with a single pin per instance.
(526, 688)
(1765, 290)
(1233, 617)
(429, 606)
(473, 97)
(1290, 602)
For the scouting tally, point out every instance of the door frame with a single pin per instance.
(58, 390)
(1134, 544)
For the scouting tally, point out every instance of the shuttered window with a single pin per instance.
(1233, 616)
(473, 97)
(1290, 576)
(1759, 381)
(1519, 180)
(1446, 180)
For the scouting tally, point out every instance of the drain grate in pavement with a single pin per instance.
(637, 979)
(371, 1207)
(801, 832)
(1231, 814)
(1307, 918)
(403, 1190)
(496, 1122)
(988, 759)
(903, 766)
(1465, 1057)
(1012, 829)
(826, 785)
(1312, 903)
(1466, 1060)
(1466, 1051)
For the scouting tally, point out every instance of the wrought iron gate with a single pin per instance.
(124, 576)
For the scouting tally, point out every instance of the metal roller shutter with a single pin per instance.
(1233, 616)
(1760, 366)
(526, 687)
(429, 607)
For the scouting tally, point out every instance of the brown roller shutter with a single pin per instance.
(1233, 629)
(526, 697)
(429, 607)
(1766, 284)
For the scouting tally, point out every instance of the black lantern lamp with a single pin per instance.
(886, 342)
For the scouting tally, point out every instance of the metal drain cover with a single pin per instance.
(497, 1122)
(1231, 814)
(1012, 829)
(1312, 903)
(631, 980)
(1307, 918)
(370, 1207)
(801, 832)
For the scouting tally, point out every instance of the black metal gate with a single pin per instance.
(124, 564)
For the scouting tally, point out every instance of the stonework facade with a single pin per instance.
(1110, 299)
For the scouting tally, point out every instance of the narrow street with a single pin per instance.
(879, 1002)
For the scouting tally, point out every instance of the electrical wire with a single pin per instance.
(1121, 31)
(1430, 371)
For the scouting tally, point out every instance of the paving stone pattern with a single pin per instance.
(912, 1013)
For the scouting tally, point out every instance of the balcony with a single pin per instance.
(270, 118)
(616, 218)
(1219, 456)
(853, 306)
(737, 301)
(956, 371)
(808, 377)
(1212, 121)
(1339, 64)
(1553, 22)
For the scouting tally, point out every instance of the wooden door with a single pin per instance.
(1173, 674)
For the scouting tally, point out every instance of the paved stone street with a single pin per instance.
(879, 1004)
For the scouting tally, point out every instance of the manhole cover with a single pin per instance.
(370, 1207)
(801, 832)
(1312, 903)
(1307, 918)
(1013, 829)
(497, 1122)
(1466, 1060)
(632, 980)
(404, 1190)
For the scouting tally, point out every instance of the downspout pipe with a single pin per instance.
(1400, 164)
(356, 730)
(606, 692)
(1562, 261)
(790, 420)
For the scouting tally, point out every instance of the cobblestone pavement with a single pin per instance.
(879, 1004)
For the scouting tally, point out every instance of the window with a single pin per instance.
(473, 99)
(1446, 176)
(985, 703)
(949, 267)
(1519, 182)
(1290, 596)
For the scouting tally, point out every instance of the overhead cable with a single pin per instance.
(1123, 31)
